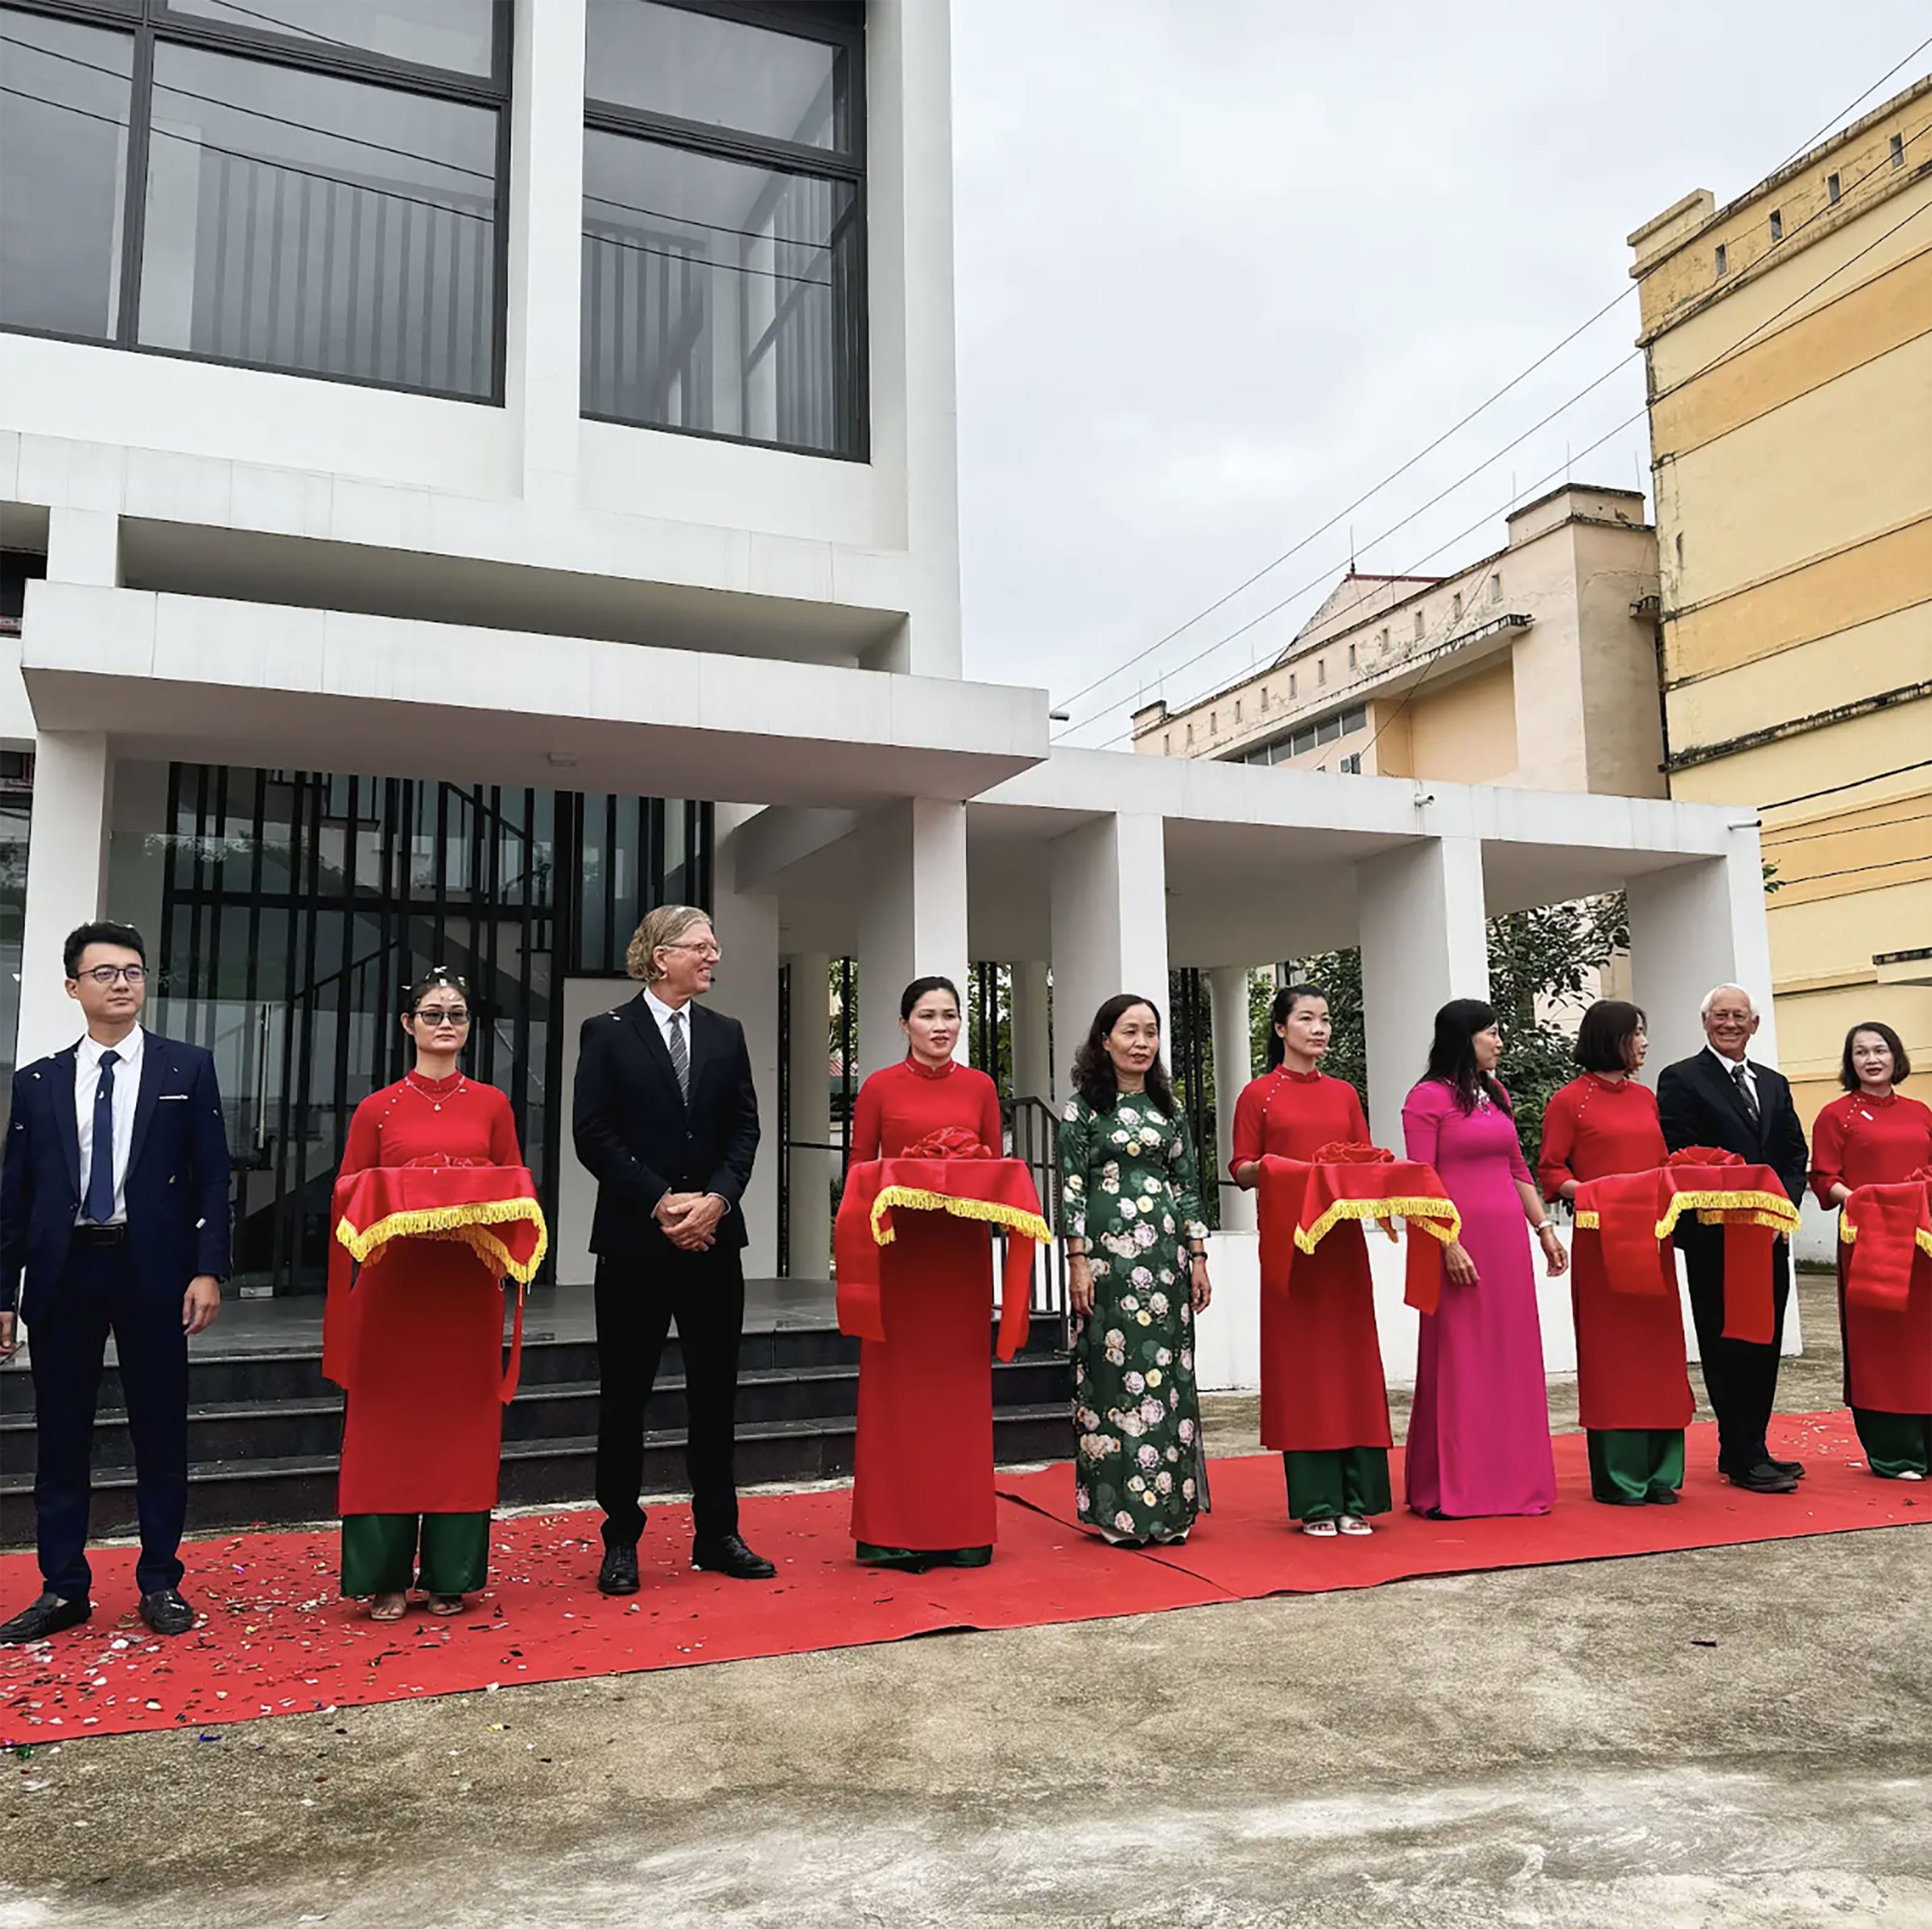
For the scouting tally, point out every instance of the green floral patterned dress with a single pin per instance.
(1128, 1188)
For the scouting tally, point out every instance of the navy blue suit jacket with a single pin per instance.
(177, 1184)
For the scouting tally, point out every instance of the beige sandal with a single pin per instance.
(388, 1607)
(445, 1603)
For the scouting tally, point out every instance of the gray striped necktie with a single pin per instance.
(680, 1055)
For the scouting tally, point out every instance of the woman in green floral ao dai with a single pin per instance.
(1137, 1278)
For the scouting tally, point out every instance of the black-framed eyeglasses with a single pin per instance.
(443, 1015)
(108, 974)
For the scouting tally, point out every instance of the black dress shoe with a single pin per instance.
(619, 1572)
(166, 1612)
(1661, 1497)
(1795, 1469)
(729, 1555)
(1763, 1478)
(49, 1615)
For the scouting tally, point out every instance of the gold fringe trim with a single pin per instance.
(1015, 1219)
(1769, 1209)
(466, 1224)
(1425, 1212)
(1847, 1234)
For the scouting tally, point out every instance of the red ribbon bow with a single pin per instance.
(1351, 1152)
(1703, 1155)
(949, 1141)
(441, 1162)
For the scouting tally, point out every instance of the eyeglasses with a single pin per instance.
(707, 950)
(108, 974)
(443, 1014)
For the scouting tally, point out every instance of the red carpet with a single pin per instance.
(278, 1640)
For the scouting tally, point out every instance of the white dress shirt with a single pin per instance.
(127, 1089)
(1731, 1065)
(664, 1014)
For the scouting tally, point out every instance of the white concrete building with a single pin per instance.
(465, 486)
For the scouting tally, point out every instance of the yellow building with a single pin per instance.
(1534, 665)
(1788, 340)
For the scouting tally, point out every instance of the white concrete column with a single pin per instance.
(912, 923)
(1422, 926)
(542, 317)
(83, 546)
(810, 1019)
(1110, 922)
(909, 325)
(1692, 926)
(1032, 1048)
(1233, 1067)
(747, 925)
(66, 880)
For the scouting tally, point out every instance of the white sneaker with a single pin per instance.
(1911, 1473)
(1321, 1529)
(1353, 1523)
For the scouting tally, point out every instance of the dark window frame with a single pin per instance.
(800, 19)
(145, 21)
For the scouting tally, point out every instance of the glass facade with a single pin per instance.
(295, 907)
(294, 185)
(724, 273)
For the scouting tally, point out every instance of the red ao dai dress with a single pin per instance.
(922, 1467)
(1632, 1386)
(1866, 1142)
(418, 1344)
(1324, 1402)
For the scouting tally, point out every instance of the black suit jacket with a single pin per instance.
(638, 1139)
(176, 1192)
(1698, 1104)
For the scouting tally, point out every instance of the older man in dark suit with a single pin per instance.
(1723, 1098)
(667, 1122)
(113, 1212)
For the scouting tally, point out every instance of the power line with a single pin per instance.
(1852, 870)
(1628, 421)
(1140, 655)
(1849, 830)
(1394, 475)
(1811, 140)
(1831, 790)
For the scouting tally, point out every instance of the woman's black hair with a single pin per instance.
(909, 998)
(1093, 1071)
(1452, 1053)
(1605, 1037)
(1285, 1001)
(438, 977)
(1902, 1064)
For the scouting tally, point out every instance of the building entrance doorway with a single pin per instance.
(297, 905)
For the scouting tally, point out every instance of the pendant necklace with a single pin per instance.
(436, 1104)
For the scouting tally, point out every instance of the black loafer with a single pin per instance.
(1662, 1496)
(1764, 1478)
(166, 1612)
(729, 1555)
(49, 1615)
(1795, 1469)
(619, 1572)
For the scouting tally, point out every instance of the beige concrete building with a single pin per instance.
(1789, 336)
(1534, 665)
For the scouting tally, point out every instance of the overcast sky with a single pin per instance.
(1224, 264)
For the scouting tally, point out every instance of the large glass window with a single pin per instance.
(724, 264)
(296, 184)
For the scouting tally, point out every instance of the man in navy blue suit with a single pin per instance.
(114, 1209)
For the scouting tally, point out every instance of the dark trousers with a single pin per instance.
(97, 1294)
(637, 1302)
(1739, 1376)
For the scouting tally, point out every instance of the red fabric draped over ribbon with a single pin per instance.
(1301, 1203)
(1886, 1227)
(1635, 1213)
(946, 1172)
(491, 1209)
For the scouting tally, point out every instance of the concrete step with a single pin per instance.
(258, 1489)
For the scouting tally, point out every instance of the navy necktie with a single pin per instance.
(100, 1171)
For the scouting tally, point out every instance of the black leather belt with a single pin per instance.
(86, 1234)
